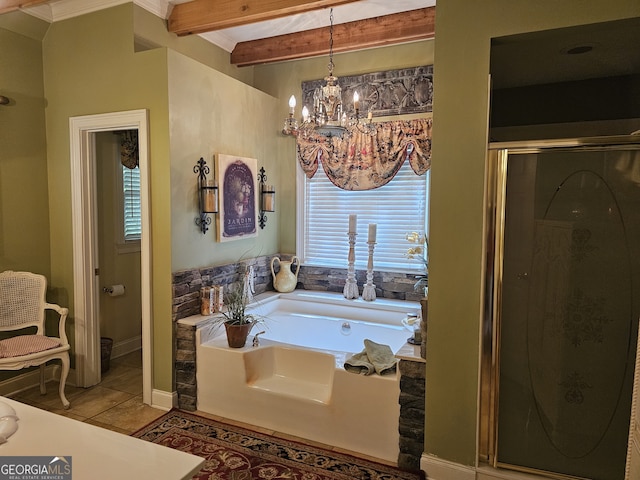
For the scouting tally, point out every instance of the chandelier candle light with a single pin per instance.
(328, 117)
(369, 290)
(351, 286)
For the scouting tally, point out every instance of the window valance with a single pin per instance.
(364, 162)
(129, 156)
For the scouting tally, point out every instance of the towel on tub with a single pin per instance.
(375, 358)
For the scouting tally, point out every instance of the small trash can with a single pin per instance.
(106, 345)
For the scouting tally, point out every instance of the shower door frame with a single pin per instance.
(496, 188)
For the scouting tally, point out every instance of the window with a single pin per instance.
(323, 220)
(131, 219)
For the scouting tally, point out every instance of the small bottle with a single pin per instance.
(207, 301)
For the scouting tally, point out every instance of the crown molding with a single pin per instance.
(63, 9)
(220, 39)
(43, 12)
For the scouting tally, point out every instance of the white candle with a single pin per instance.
(372, 232)
(356, 101)
(292, 104)
(352, 223)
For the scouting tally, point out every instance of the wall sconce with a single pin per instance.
(207, 195)
(267, 198)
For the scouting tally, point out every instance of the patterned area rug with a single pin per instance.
(235, 453)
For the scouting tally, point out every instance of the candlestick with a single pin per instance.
(369, 290)
(372, 232)
(351, 286)
(352, 223)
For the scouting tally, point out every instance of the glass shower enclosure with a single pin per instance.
(562, 306)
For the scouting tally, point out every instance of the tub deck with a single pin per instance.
(302, 388)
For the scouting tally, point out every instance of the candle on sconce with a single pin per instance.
(356, 101)
(305, 114)
(372, 232)
(210, 197)
(370, 115)
(352, 222)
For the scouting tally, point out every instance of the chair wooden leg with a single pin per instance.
(63, 380)
(43, 387)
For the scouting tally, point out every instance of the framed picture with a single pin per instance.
(237, 181)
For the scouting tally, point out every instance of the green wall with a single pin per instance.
(101, 73)
(212, 113)
(194, 111)
(24, 205)
(151, 32)
(463, 34)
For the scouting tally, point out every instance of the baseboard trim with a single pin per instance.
(126, 346)
(438, 469)
(164, 400)
(25, 381)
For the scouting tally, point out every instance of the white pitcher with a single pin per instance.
(286, 280)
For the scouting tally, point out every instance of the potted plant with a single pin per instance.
(237, 322)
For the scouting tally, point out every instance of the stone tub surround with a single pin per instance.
(186, 303)
(412, 406)
(187, 283)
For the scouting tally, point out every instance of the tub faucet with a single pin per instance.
(256, 340)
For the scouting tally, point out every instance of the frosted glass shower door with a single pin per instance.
(568, 317)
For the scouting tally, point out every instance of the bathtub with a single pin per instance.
(294, 381)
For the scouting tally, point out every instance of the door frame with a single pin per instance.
(86, 287)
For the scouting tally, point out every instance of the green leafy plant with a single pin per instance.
(236, 302)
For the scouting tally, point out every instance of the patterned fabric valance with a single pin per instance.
(129, 148)
(365, 162)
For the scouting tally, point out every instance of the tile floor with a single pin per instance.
(115, 403)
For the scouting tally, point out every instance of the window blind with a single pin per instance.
(131, 203)
(397, 208)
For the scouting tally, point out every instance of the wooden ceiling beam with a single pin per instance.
(200, 16)
(10, 5)
(374, 32)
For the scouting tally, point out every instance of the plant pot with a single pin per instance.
(237, 334)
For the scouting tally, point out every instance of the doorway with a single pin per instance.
(87, 284)
(560, 341)
(119, 228)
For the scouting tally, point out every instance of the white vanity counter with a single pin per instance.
(96, 453)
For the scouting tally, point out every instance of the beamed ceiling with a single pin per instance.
(199, 16)
(259, 31)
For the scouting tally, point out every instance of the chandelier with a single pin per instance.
(328, 117)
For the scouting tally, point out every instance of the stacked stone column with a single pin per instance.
(411, 424)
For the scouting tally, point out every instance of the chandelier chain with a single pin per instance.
(331, 64)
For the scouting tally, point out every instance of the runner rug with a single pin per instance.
(236, 453)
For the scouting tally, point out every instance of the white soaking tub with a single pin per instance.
(294, 381)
